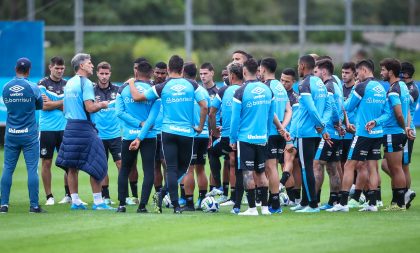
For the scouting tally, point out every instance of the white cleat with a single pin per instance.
(250, 212)
(379, 204)
(338, 208)
(50, 201)
(228, 203)
(265, 211)
(214, 192)
(65, 200)
(369, 208)
(83, 203)
(297, 207)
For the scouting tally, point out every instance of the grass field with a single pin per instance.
(61, 230)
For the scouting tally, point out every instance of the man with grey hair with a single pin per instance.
(81, 148)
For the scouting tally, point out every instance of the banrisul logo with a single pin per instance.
(178, 88)
(257, 90)
(16, 88)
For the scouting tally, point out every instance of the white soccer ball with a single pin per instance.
(167, 201)
(209, 205)
(284, 199)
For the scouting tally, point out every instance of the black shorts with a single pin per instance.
(226, 149)
(345, 148)
(199, 151)
(159, 152)
(408, 150)
(49, 140)
(219, 148)
(252, 156)
(394, 142)
(275, 148)
(113, 146)
(364, 148)
(328, 153)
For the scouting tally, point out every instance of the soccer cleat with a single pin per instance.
(188, 209)
(214, 192)
(78, 207)
(222, 199)
(177, 210)
(235, 210)
(409, 196)
(182, 201)
(338, 208)
(353, 203)
(4, 209)
(325, 207)
(394, 207)
(249, 212)
(50, 201)
(228, 203)
(369, 208)
(379, 203)
(103, 206)
(65, 200)
(121, 209)
(131, 201)
(258, 203)
(36, 209)
(308, 209)
(297, 207)
(272, 210)
(265, 210)
(109, 201)
(157, 202)
(83, 203)
(142, 210)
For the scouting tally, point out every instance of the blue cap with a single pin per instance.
(23, 64)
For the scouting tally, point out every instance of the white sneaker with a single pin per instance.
(352, 203)
(296, 208)
(265, 211)
(222, 199)
(369, 208)
(228, 203)
(338, 208)
(65, 200)
(83, 203)
(379, 203)
(250, 212)
(108, 202)
(258, 203)
(50, 201)
(214, 192)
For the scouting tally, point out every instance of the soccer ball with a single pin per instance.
(167, 201)
(209, 205)
(284, 199)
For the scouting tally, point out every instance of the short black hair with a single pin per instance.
(326, 64)
(207, 65)
(367, 63)
(324, 57)
(236, 69)
(407, 68)
(349, 65)
(57, 60)
(190, 70)
(391, 64)
(248, 56)
(270, 64)
(161, 65)
(140, 59)
(251, 65)
(144, 68)
(289, 72)
(176, 64)
(308, 61)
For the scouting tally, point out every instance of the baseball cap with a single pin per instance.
(23, 64)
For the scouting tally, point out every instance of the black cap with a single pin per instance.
(23, 65)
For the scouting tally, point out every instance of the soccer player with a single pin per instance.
(252, 114)
(201, 143)
(240, 56)
(137, 118)
(396, 129)
(106, 121)
(81, 148)
(223, 103)
(51, 124)
(326, 155)
(178, 95)
(368, 98)
(314, 113)
(276, 143)
(21, 98)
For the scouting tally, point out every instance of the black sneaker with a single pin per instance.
(177, 210)
(37, 209)
(188, 209)
(121, 209)
(4, 209)
(142, 210)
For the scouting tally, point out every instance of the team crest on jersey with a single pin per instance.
(257, 90)
(50, 88)
(320, 84)
(249, 104)
(378, 89)
(113, 95)
(16, 88)
(98, 98)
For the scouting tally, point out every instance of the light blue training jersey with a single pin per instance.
(223, 102)
(52, 120)
(280, 102)
(398, 94)
(77, 90)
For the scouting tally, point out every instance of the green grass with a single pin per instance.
(62, 230)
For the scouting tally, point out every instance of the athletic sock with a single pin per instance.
(356, 195)
(379, 194)
(189, 200)
(289, 191)
(142, 206)
(233, 194)
(318, 197)
(394, 196)
(264, 196)
(284, 177)
(67, 190)
(158, 188)
(202, 194)
(297, 193)
(75, 199)
(333, 198)
(365, 192)
(270, 198)
(50, 196)
(250, 195)
(275, 202)
(97, 198)
(226, 189)
(400, 192)
(371, 196)
(105, 191)
(344, 197)
(182, 195)
(258, 195)
(133, 186)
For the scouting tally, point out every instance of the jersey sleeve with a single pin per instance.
(123, 114)
(87, 89)
(394, 95)
(355, 97)
(306, 102)
(236, 115)
(152, 93)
